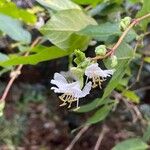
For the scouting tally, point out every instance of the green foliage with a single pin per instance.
(132, 96)
(43, 54)
(145, 10)
(10, 9)
(131, 144)
(63, 26)
(101, 32)
(147, 59)
(11, 131)
(87, 2)
(100, 114)
(58, 5)
(14, 29)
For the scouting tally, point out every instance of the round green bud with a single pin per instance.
(124, 23)
(114, 61)
(100, 50)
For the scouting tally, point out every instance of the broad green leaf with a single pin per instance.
(125, 53)
(106, 32)
(131, 144)
(10, 9)
(62, 27)
(100, 114)
(147, 59)
(145, 10)
(14, 29)
(58, 5)
(43, 54)
(132, 96)
(101, 32)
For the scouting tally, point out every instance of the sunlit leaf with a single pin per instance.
(62, 27)
(10, 9)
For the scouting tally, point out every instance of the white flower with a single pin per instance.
(71, 91)
(97, 75)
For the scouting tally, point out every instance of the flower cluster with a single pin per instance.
(72, 91)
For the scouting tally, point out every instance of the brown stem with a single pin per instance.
(101, 136)
(77, 137)
(14, 74)
(134, 22)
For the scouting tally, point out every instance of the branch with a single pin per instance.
(14, 74)
(113, 49)
(101, 136)
(84, 129)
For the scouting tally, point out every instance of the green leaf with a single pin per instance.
(88, 2)
(106, 32)
(131, 144)
(62, 27)
(14, 29)
(58, 5)
(101, 32)
(124, 54)
(132, 96)
(147, 59)
(10, 9)
(145, 10)
(3, 57)
(100, 114)
(43, 54)
(91, 105)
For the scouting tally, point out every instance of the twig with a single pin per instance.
(113, 49)
(138, 75)
(101, 136)
(143, 89)
(14, 74)
(77, 137)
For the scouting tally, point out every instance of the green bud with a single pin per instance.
(78, 73)
(100, 50)
(114, 61)
(125, 23)
(85, 63)
(80, 56)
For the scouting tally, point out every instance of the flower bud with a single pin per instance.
(114, 61)
(125, 23)
(80, 57)
(100, 50)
